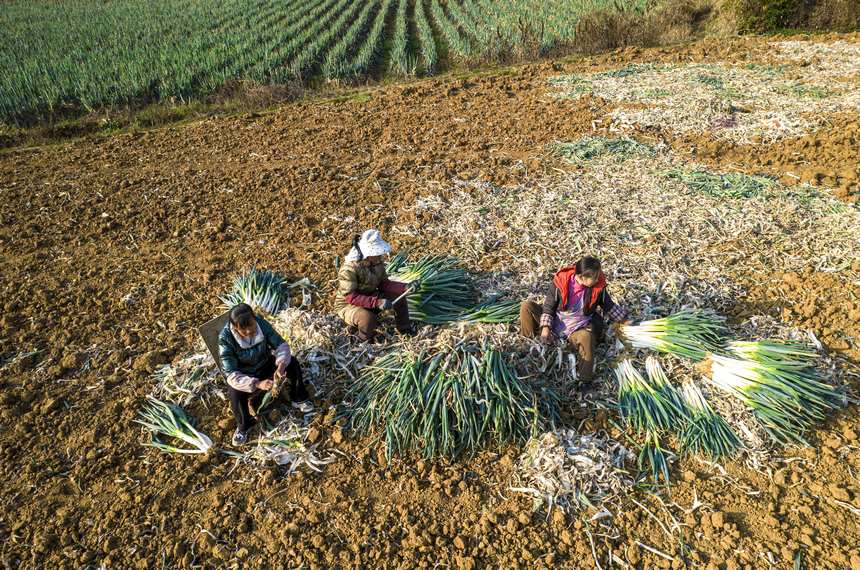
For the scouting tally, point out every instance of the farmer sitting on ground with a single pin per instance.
(255, 359)
(364, 290)
(569, 312)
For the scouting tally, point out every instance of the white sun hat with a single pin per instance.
(370, 243)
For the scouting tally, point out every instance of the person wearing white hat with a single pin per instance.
(364, 290)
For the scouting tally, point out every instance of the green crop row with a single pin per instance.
(75, 56)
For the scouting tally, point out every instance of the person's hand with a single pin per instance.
(279, 373)
(545, 335)
(628, 322)
(414, 285)
(265, 385)
(383, 304)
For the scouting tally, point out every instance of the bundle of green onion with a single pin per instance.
(162, 418)
(447, 402)
(780, 386)
(264, 290)
(653, 457)
(447, 292)
(690, 333)
(783, 354)
(643, 406)
(705, 431)
(493, 311)
(666, 391)
(651, 407)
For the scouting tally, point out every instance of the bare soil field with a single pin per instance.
(115, 248)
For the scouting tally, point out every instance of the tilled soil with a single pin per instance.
(115, 248)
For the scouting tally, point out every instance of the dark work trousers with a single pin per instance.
(239, 400)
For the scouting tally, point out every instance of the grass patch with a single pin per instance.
(710, 81)
(360, 97)
(744, 186)
(729, 185)
(156, 115)
(810, 197)
(769, 70)
(588, 148)
(628, 70)
(801, 90)
(655, 93)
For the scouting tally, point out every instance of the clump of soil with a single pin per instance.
(828, 304)
(828, 158)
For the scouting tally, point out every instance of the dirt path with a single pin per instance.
(114, 248)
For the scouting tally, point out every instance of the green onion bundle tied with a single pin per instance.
(263, 290)
(689, 333)
(447, 293)
(447, 403)
(446, 290)
(777, 382)
(644, 407)
(162, 418)
(706, 432)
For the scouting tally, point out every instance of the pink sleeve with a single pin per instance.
(366, 301)
(242, 382)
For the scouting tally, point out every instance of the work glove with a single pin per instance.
(383, 304)
(414, 285)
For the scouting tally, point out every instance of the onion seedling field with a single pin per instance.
(80, 55)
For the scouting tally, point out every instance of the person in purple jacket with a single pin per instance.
(577, 308)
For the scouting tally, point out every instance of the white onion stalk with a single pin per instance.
(777, 353)
(265, 291)
(689, 333)
(162, 418)
(785, 397)
(643, 407)
(284, 445)
(705, 432)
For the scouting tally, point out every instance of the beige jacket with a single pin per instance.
(358, 287)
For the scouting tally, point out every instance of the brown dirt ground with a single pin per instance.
(114, 248)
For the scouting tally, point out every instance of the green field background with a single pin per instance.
(58, 58)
